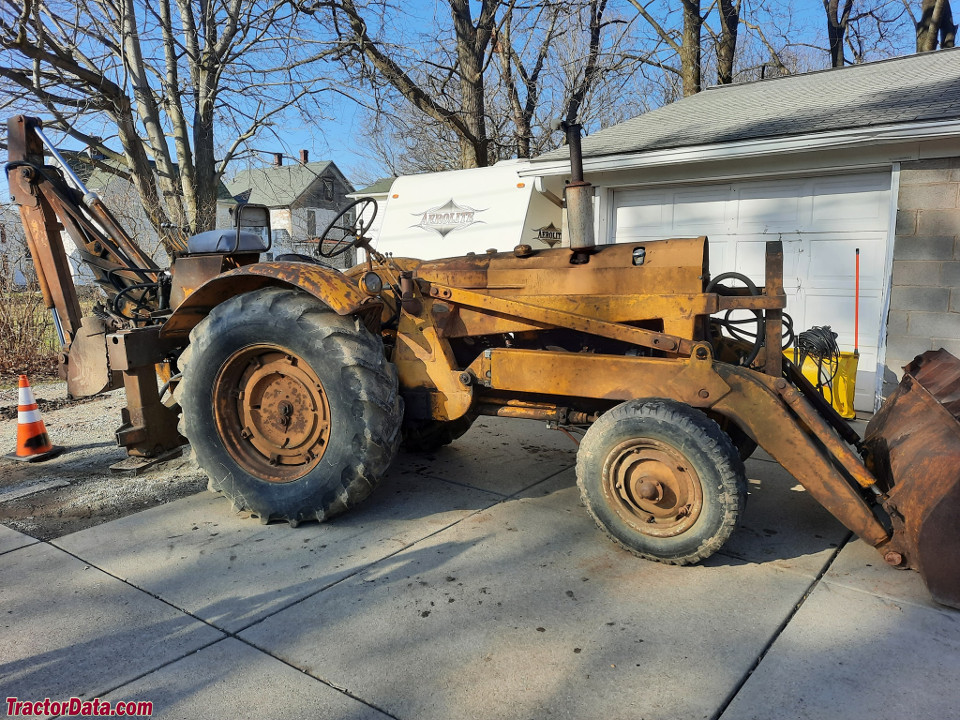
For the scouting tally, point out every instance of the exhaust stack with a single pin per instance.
(578, 193)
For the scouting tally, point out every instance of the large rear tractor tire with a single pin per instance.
(662, 479)
(292, 410)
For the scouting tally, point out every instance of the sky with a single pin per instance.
(333, 138)
(332, 135)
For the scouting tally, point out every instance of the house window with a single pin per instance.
(311, 223)
(328, 188)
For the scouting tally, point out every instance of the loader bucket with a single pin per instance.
(913, 449)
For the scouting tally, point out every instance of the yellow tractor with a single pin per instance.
(295, 383)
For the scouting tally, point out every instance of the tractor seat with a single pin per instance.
(225, 241)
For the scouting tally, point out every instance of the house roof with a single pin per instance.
(97, 178)
(910, 89)
(378, 188)
(276, 185)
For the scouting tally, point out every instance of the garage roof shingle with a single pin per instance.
(915, 88)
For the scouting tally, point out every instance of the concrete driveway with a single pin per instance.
(473, 585)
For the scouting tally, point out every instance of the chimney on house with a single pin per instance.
(278, 159)
(304, 157)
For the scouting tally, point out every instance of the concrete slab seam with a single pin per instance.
(126, 582)
(396, 552)
(438, 478)
(328, 683)
(226, 633)
(779, 631)
(164, 665)
(365, 567)
(942, 609)
(22, 547)
(538, 482)
(502, 499)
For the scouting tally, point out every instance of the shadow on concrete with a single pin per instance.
(444, 599)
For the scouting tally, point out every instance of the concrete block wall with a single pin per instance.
(925, 292)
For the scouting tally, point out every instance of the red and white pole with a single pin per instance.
(856, 310)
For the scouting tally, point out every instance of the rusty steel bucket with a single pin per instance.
(912, 446)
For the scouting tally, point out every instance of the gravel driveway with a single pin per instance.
(77, 490)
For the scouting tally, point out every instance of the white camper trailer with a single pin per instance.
(445, 214)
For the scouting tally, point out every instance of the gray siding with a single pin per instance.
(925, 292)
(315, 209)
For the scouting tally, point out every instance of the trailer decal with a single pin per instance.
(445, 219)
(549, 234)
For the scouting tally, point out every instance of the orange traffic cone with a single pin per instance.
(33, 443)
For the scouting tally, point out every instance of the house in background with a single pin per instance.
(16, 266)
(303, 198)
(866, 156)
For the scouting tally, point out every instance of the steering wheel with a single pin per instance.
(339, 230)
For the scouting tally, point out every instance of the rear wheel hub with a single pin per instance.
(272, 413)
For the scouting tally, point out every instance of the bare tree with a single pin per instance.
(838, 19)
(684, 42)
(773, 53)
(484, 80)
(727, 40)
(521, 78)
(370, 57)
(935, 26)
(405, 142)
(158, 89)
(867, 31)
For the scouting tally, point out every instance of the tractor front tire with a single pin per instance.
(662, 479)
(291, 409)
(745, 445)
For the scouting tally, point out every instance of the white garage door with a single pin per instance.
(821, 221)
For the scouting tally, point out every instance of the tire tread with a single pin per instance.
(716, 444)
(342, 340)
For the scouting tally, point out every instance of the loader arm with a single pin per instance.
(774, 413)
(765, 405)
(913, 525)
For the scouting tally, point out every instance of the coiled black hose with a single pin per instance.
(738, 328)
(819, 343)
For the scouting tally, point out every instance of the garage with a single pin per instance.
(821, 222)
(863, 156)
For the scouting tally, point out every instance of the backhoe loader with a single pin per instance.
(295, 383)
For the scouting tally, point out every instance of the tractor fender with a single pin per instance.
(329, 286)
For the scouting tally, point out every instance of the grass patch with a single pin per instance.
(28, 339)
(28, 342)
